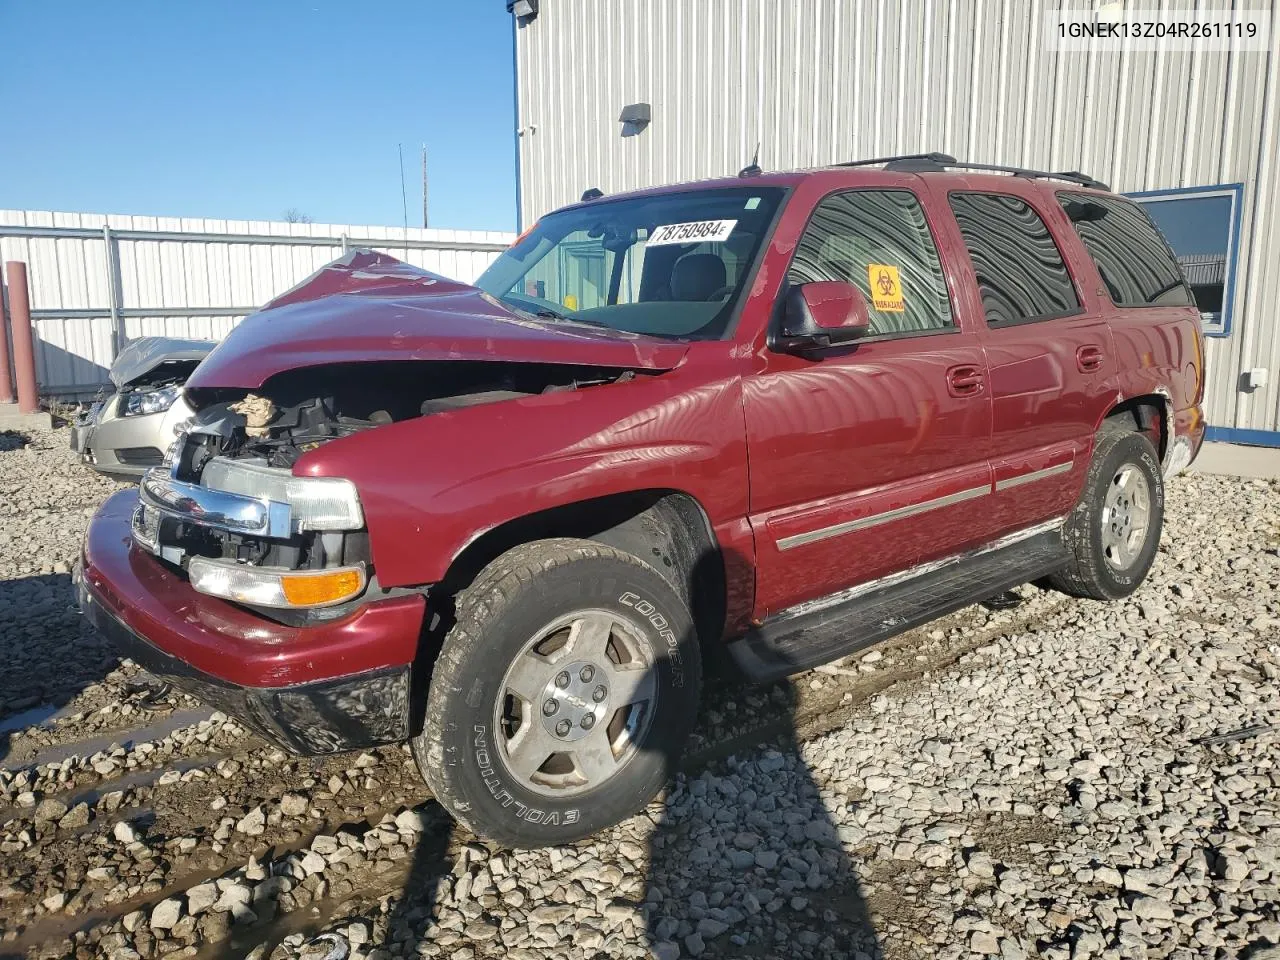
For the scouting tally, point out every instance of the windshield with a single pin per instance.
(669, 265)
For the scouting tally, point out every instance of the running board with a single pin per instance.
(820, 631)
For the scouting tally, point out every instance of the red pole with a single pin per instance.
(24, 354)
(6, 382)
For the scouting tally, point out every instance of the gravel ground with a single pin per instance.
(1037, 782)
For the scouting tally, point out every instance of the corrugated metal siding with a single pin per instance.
(71, 273)
(817, 81)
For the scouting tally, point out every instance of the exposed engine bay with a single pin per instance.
(299, 410)
(245, 443)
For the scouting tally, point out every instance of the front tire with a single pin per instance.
(1114, 532)
(562, 695)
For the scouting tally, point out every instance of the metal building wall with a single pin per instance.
(817, 81)
(174, 277)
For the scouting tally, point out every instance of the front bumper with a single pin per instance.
(82, 432)
(128, 446)
(327, 688)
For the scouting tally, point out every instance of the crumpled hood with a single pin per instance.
(368, 306)
(144, 355)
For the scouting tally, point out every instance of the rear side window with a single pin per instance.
(1020, 271)
(879, 241)
(1136, 264)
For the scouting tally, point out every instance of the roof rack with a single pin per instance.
(937, 162)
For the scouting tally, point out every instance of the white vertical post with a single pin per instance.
(113, 291)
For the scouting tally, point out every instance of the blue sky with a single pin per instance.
(246, 108)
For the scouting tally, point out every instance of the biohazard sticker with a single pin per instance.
(698, 231)
(886, 288)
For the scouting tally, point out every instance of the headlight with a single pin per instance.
(324, 503)
(274, 587)
(316, 503)
(138, 403)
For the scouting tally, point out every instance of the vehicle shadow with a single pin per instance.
(747, 860)
(51, 655)
(744, 859)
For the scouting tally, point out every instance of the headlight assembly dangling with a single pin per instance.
(139, 404)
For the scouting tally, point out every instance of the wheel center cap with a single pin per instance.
(574, 701)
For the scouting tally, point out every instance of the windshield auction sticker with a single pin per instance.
(699, 231)
(886, 288)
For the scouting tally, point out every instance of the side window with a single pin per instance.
(879, 241)
(1020, 271)
(1133, 259)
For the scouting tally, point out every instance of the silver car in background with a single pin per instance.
(128, 432)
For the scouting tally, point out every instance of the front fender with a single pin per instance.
(431, 485)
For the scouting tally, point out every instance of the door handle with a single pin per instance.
(1089, 358)
(964, 381)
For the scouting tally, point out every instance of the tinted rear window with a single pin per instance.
(1135, 262)
(1019, 268)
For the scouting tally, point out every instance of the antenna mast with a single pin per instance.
(404, 197)
(424, 186)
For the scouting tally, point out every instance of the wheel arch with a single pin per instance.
(1150, 414)
(666, 528)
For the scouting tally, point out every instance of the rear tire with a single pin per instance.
(562, 695)
(1114, 532)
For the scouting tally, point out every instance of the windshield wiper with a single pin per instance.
(546, 313)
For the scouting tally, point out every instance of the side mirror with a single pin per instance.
(822, 314)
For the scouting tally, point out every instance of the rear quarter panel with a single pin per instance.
(1160, 349)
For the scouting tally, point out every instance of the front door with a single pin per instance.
(866, 459)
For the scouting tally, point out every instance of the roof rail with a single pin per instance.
(921, 161)
(937, 162)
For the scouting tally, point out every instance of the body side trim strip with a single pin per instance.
(1034, 475)
(898, 513)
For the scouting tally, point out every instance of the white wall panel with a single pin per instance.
(70, 273)
(820, 81)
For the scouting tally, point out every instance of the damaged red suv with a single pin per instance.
(784, 416)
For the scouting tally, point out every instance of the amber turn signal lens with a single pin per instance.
(317, 589)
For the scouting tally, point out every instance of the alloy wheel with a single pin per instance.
(1126, 517)
(575, 702)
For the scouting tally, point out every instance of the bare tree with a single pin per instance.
(294, 215)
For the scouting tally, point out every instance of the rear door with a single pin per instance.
(1048, 346)
(868, 458)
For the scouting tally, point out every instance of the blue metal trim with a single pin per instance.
(1184, 191)
(1237, 209)
(1256, 438)
(1229, 295)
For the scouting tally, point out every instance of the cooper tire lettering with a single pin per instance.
(663, 626)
